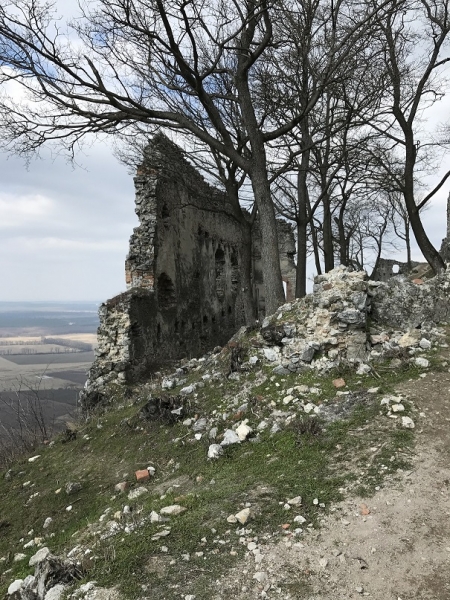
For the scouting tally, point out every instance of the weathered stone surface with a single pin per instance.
(73, 487)
(185, 273)
(39, 557)
(401, 304)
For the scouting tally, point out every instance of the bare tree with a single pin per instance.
(182, 65)
(413, 37)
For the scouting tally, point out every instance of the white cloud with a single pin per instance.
(19, 211)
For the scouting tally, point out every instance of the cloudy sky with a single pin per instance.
(64, 229)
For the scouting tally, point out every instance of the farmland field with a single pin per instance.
(51, 359)
(46, 350)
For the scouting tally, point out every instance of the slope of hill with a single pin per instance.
(257, 480)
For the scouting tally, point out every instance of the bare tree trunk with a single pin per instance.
(302, 223)
(408, 244)
(316, 248)
(273, 286)
(430, 253)
(343, 242)
(249, 305)
(250, 311)
(328, 252)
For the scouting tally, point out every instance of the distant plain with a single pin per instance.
(46, 349)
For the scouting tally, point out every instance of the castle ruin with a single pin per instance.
(190, 263)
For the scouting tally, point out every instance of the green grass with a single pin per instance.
(311, 461)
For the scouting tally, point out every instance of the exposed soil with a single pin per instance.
(399, 551)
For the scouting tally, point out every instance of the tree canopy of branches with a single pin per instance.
(242, 78)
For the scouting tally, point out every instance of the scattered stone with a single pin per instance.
(122, 486)
(133, 494)
(200, 425)
(39, 557)
(56, 592)
(243, 431)
(397, 408)
(243, 516)
(142, 475)
(409, 339)
(168, 384)
(364, 510)
(214, 451)
(408, 423)
(172, 510)
(339, 383)
(186, 391)
(270, 354)
(19, 556)
(230, 437)
(72, 487)
(323, 563)
(425, 344)
(232, 519)
(299, 519)
(15, 586)
(48, 521)
(423, 363)
(34, 458)
(260, 576)
(295, 501)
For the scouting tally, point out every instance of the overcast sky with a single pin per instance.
(65, 230)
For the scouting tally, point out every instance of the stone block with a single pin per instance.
(142, 475)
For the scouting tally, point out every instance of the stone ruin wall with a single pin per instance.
(183, 272)
(386, 269)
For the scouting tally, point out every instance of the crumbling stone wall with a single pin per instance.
(401, 303)
(184, 271)
(388, 268)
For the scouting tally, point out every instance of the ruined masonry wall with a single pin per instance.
(386, 269)
(183, 272)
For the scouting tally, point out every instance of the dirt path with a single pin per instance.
(399, 551)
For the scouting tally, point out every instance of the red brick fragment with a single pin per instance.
(142, 475)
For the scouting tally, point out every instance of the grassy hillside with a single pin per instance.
(349, 443)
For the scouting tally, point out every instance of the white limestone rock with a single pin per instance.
(214, 451)
(243, 431)
(39, 557)
(173, 510)
(230, 437)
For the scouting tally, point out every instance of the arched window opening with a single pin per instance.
(165, 211)
(166, 292)
(234, 272)
(219, 262)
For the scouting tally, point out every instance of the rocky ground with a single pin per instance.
(394, 545)
(306, 459)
